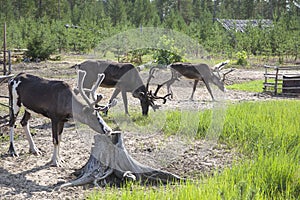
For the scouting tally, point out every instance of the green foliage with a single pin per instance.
(98, 20)
(135, 56)
(168, 52)
(40, 47)
(166, 57)
(241, 58)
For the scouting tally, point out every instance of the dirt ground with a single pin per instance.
(30, 177)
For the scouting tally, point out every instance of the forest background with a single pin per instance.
(46, 27)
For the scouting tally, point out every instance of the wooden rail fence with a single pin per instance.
(282, 80)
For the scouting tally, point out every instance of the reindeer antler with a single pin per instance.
(218, 67)
(151, 72)
(229, 71)
(221, 65)
(92, 92)
(107, 107)
(95, 97)
(153, 96)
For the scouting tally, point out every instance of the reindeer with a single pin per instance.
(198, 72)
(124, 77)
(54, 100)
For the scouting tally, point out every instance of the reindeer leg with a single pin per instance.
(194, 89)
(113, 96)
(169, 89)
(209, 89)
(60, 130)
(124, 97)
(175, 77)
(13, 113)
(12, 121)
(57, 128)
(24, 122)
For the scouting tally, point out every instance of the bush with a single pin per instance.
(165, 57)
(40, 47)
(168, 52)
(242, 58)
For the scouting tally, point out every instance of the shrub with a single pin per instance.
(168, 52)
(242, 58)
(40, 47)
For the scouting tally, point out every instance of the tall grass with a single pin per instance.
(263, 127)
(266, 133)
(189, 123)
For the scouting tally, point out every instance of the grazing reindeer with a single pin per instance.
(55, 100)
(198, 72)
(124, 77)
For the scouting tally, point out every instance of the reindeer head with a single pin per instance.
(150, 97)
(89, 114)
(147, 97)
(217, 70)
(141, 94)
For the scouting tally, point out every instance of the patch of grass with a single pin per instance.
(263, 127)
(188, 123)
(251, 86)
(136, 121)
(267, 133)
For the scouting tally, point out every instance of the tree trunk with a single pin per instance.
(110, 164)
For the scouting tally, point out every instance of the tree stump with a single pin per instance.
(110, 164)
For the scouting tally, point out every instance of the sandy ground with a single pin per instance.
(30, 177)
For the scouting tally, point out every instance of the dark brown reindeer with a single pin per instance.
(124, 77)
(198, 72)
(55, 100)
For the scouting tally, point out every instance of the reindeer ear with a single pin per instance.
(142, 94)
(138, 94)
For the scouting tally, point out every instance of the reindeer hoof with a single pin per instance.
(35, 151)
(56, 163)
(12, 152)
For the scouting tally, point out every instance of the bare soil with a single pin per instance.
(30, 177)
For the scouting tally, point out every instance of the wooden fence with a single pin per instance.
(282, 80)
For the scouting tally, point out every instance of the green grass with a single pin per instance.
(270, 125)
(192, 123)
(266, 133)
(251, 86)
(136, 121)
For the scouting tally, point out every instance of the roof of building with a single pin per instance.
(241, 25)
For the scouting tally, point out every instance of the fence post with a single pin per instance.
(266, 78)
(4, 49)
(9, 61)
(276, 80)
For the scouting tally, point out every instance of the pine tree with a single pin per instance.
(115, 9)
